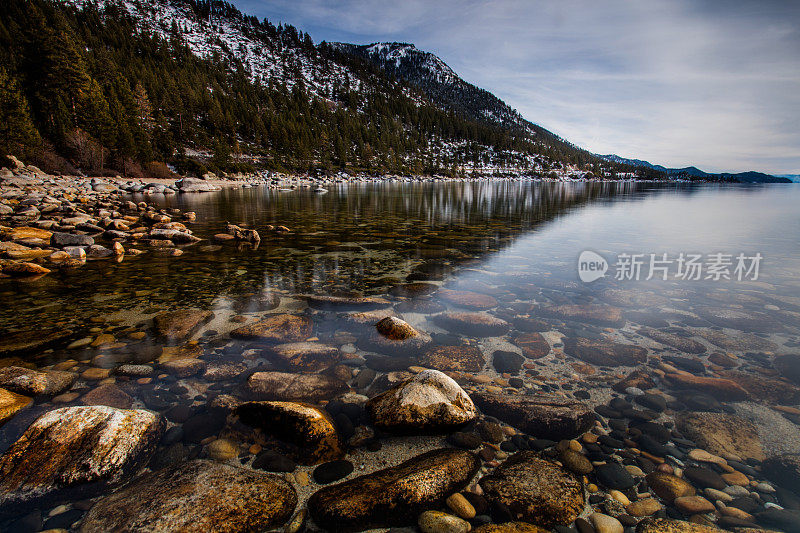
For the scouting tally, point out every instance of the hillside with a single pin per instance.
(135, 86)
(696, 173)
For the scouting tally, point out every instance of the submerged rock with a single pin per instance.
(344, 303)
(472, 324)
(429, 401)
(396, 495)
(720, 388)
(540, 416)
(395, 328)
(604, 315)
(293, 387)
(276, 328)
(533, 345)
(35, 383)
(535, 490)
(468, 299)
(683, 344)
(195, 496)
(305, 356)
(20, 342)
(663, 525)
(458, 358)
(668, 486)
(76, 452)
(605, 353)
(784, 470)
(721, 433)
(180, 324)
(306, 426)
(11, 403)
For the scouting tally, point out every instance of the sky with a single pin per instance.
(710, 83)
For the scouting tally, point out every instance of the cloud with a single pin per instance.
(711, 83)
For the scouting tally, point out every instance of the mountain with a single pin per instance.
(140, 86)
(793, 177)
(694, 172)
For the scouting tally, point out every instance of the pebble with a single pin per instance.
(332, 471)
(618, 496)
(690, 505)
(459, 505)
(606, 524)
(645, 507)
(222, 450)
(439, 522)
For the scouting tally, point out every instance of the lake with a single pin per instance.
(695, 308)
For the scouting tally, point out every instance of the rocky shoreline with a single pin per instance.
(439, 406)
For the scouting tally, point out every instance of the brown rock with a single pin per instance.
(472, 324)
(720, 388)
(109, 395)
(180, 324)
(75, 452)
(396, 495)
(645, 507)
(533, 345)
(395, 328)
(343, 303)
(293, 387)
(428, 401)
(663, 525)
(277, 328)
(771, 390)
(543, 417)
(309, 428)
(195, 496)
(676, 341)
(510, 527)
(638, 378)
(668, 486)
(783, 470)
(535, 490)
(10, 404)
(184, 367)
(605, 353)
(305, 356)
(413, 290)
(21, 342)
(604, 315)
(721, 433)
(468, 299)
(690, 505)
(35, 383)
(458, 358)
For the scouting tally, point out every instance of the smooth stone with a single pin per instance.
(721, 434)
(393, 496)
(690, 505)
(541, 416)
(535, 490)
(309, 428)
(430, 400)
(615, 476)
(35, 383)
(195, 496)
(277, 328)
(332, 471)
(11, 403)
(180, 324)
(461, 506)
(439, 522)
(645, 507)
(284, 386)
(669, 486)
(605, 524)
(663, 525)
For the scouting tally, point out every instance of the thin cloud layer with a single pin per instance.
(709, 83)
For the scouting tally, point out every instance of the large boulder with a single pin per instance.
(276, 328)
(283, 386)
(180, 324)
(76, 452)
(429, 401)
(310, 429)
(195, 185)
(35, 383)
(396, 495)
(722, 433)
(195, 496)
(545, 417)
(535, 490)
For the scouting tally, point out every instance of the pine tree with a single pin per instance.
(17, 132)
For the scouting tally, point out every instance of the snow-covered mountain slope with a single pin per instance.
(438, 81)
(268, 53)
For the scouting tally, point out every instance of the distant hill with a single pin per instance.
(694, 172)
